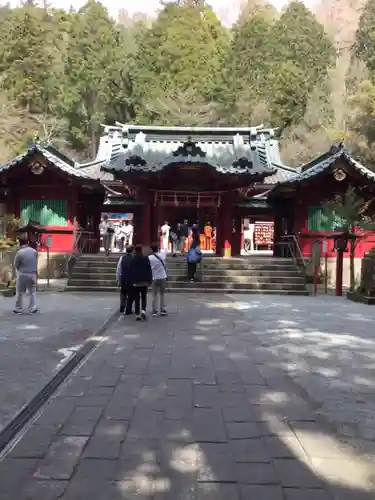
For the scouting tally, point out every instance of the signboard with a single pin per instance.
(316, 252)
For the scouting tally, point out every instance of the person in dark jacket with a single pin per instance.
(194, 255)
(140, 275)
(126, 287)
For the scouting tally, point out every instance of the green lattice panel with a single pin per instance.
(47, 212)
(319, 221)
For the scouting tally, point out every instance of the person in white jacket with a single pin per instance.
(159, 279)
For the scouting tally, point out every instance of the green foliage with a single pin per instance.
(365, 40)
(352, 209)
(65, 73)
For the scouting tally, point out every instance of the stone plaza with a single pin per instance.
(229, 397)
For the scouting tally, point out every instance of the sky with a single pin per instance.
(227, 13)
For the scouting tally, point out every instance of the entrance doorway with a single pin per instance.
(196, 208)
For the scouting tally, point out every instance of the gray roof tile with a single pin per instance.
(51, 155)
(250, 150)
(326, 160)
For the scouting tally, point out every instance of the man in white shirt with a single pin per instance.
(128, 234)
(159, 279)
(107, 229)
(26, 265)
(165, 230)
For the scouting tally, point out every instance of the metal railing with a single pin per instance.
(290, 243)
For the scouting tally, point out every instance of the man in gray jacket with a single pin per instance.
(26, 264)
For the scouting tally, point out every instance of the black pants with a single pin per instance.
(126, 298)
(140, 299)
(192, 269)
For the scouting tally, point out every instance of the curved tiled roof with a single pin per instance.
(230, 150)
(51, 155)
(326, 160)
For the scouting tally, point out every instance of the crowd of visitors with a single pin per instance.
(136, 272)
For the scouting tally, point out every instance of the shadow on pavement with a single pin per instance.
(188, 407)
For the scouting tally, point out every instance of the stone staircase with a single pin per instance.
(264, 275)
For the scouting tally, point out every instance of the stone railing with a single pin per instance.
(6, 264)
(367, 284)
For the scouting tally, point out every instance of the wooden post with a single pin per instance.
(339, 272)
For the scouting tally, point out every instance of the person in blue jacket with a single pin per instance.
(194, 255)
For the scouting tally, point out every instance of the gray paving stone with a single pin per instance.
(250, 450)
(43, 490)
(294, 473)
(173, 450)
(207, 396)
(14, 473)
(306, 494)
(256, 473)
(35, 443)
(96, 469)
(149, 425)
(243, 430)
(261, 492)
(243, 413)
(217, 491)
(32, 348)
(178, 407)
(61, 459)
(208, 426)
(285, 447)
(82, 421)
(106, 440)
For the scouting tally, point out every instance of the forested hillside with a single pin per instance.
(63, 74)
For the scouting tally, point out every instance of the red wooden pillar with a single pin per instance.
(224, 228)
(143, 233)
(237, 236)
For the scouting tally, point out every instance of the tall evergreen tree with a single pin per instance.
(93, 52)
(182, 52)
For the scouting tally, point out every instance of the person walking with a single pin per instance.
(159, 279)
(184, 234)
(140, 275)
(128, 231)
(194, 255)
(26, 265)
(107, 231)
(126, 287)
(165, 231)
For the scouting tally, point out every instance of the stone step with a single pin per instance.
(177, 271)
(177, 266)
(200, 290)
(97, 283)
(181, 276)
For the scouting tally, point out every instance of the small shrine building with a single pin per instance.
(229, 176)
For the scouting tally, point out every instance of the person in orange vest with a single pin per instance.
(208, 230)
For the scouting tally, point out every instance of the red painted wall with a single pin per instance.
(52, 187)
(315, 195)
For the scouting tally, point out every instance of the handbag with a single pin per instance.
(162, 263)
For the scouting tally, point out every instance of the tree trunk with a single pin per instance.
(93, 142)
(351, 265)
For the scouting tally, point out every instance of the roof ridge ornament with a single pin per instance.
(189, 149)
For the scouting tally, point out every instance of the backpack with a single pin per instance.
(194, 255)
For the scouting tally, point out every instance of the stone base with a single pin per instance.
(363, 299)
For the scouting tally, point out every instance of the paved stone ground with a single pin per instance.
(327, 345)
(188, 407)
(32, 347)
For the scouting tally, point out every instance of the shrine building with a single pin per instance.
(231, 177)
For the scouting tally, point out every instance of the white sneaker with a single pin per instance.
(34, 310)
(143, 315)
